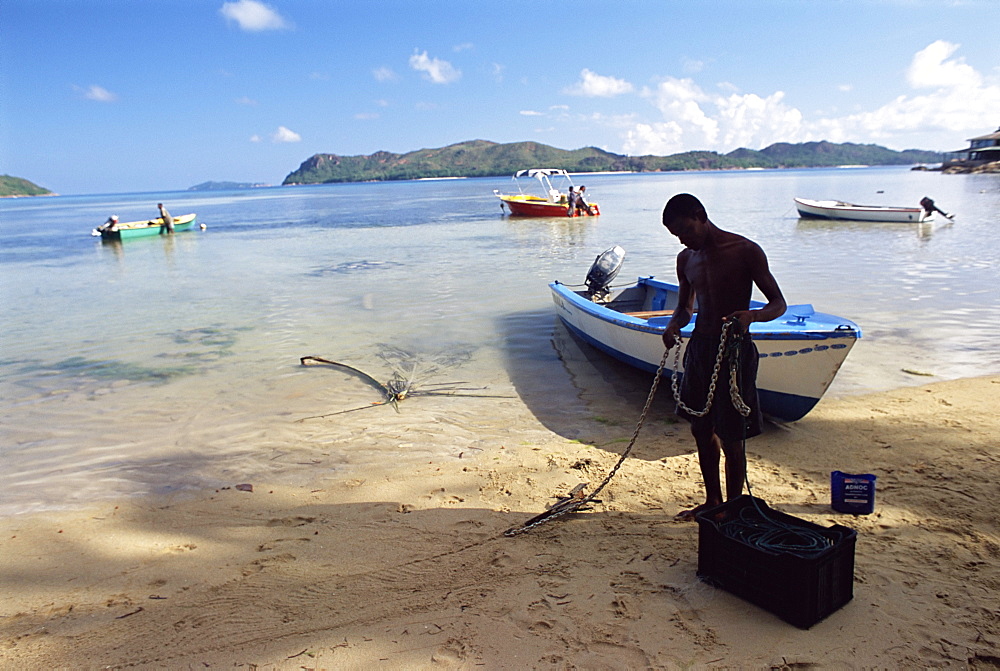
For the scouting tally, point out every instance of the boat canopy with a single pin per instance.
(552, 193)
(538, 172)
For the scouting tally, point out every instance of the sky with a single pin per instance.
(124, 96)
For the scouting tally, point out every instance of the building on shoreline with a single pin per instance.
(981, 152)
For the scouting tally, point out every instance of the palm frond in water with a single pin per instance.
(405, 371)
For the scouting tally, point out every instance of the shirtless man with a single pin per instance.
(720, 269)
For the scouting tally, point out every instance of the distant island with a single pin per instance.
(481, 158)
(13, 187)
(225, 186)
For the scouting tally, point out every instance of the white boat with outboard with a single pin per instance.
(836, 209)
(800, 352)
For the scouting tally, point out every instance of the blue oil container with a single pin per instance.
(854, 494)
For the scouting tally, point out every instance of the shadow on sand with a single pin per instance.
(575, 390)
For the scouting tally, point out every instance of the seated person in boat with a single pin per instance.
(581, 203)
(110, 224)
(718, 426)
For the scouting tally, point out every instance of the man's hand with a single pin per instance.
(744, 318)
(671, 336)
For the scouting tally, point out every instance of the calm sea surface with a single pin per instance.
(166, 363)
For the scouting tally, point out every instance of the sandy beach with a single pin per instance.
(408, 567)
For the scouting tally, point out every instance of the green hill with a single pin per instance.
(477, 158)
(481, 158)
(17, 186)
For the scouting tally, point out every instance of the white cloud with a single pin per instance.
(593, 85)
(98, 93)
(434, 69)
(253, 16)
(680, 101)
(660, 139)
(285, 135)
(249, 102)
(931, 69)
(695, 119)
(751, 121)
(255, 138)
(384, 74)
(366, 116)
(464, 46)
(954, 98)
(950, 96)
(529, 113)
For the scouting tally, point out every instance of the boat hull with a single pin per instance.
(532, 206)
(800, 353)
(146, 229)
(834, 209)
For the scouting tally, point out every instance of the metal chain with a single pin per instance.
(734, 390)
(577, 499)
(574, 503)
(734, 387)
(675, 376)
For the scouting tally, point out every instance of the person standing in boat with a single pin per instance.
(571, 202)
(719, 269)
(168, 221)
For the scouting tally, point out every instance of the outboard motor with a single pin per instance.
(601, 274)
(930, 208)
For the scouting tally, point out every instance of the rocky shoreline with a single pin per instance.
(970, 169)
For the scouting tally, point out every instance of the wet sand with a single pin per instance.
(406, 566)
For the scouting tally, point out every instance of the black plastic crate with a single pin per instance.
(801, 586)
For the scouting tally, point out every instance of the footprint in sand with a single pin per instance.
(450, 655)
(259, 565)
(462, 524)
(624, 606)
(296, 521)
(501, 561)
(270, 545)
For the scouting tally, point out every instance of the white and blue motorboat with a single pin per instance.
(800, 352)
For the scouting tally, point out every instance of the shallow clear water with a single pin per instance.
(163, 363)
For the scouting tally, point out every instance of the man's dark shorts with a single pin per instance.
(728, 423)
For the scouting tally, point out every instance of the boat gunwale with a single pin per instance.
(634, 323)
(180, 220)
